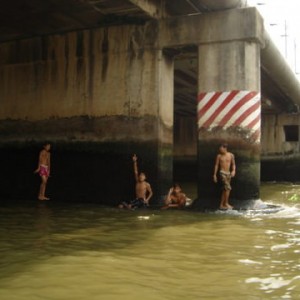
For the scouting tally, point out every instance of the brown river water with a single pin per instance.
(57, 251)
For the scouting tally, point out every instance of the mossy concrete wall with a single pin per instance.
(280, 159)
(274, 140)
(98, 96)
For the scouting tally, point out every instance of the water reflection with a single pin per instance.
(43, 224)
(92, 252)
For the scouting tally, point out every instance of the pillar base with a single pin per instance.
(255, 206)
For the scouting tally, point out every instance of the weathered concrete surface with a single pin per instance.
(83, 171)
(185, 136)
(284, 88)
(99, 96)
(280, 156)
(222, 4)
(225, 26)
(94, 73)
(274, 142)
(229, 70)
(279, 83)
(229, 66)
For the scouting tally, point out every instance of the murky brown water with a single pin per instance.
(54, 251)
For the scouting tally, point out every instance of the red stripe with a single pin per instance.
(246, 113)
(220, 108)
(201, 96)
(208, 105)
(254, 122)
(236, 107)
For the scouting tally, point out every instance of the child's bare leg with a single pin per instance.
(222, 203)
(43, 189)
(227, 193)
(181, 202)
(165, 207)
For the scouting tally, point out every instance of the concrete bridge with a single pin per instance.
(102, 80)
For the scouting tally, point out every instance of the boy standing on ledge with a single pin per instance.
(225, 163)
(44, 170)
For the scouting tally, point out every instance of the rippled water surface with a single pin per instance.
(70, 251)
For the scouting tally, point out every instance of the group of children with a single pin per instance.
(224, 163)
(143, 191)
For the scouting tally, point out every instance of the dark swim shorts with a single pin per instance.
(137, 203)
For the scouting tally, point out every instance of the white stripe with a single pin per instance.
(213, 108)
(205, 99)
(257, 126)
(250, 118)
(241, 110)
(229, 106)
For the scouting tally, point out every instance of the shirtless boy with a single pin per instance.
(175, 198)
(143, 191)
(225, 163)
(44, 170)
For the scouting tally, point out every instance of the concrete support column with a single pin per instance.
(165, 127)
(229, 110)
(151, 115)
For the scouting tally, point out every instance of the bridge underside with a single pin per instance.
(21, 19)
(28, 18)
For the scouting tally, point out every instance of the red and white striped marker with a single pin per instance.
(230, 109)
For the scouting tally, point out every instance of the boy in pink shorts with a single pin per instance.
(44, 170)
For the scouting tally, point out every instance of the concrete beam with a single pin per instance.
(149, 7)
(223, 26)
(221, 4)
(276, 67)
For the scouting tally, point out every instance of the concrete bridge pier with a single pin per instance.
(229, 110)
(229, 107)
(97, 96)
(151, 116)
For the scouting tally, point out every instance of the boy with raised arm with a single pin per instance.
(143, 191)
(225, 163)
